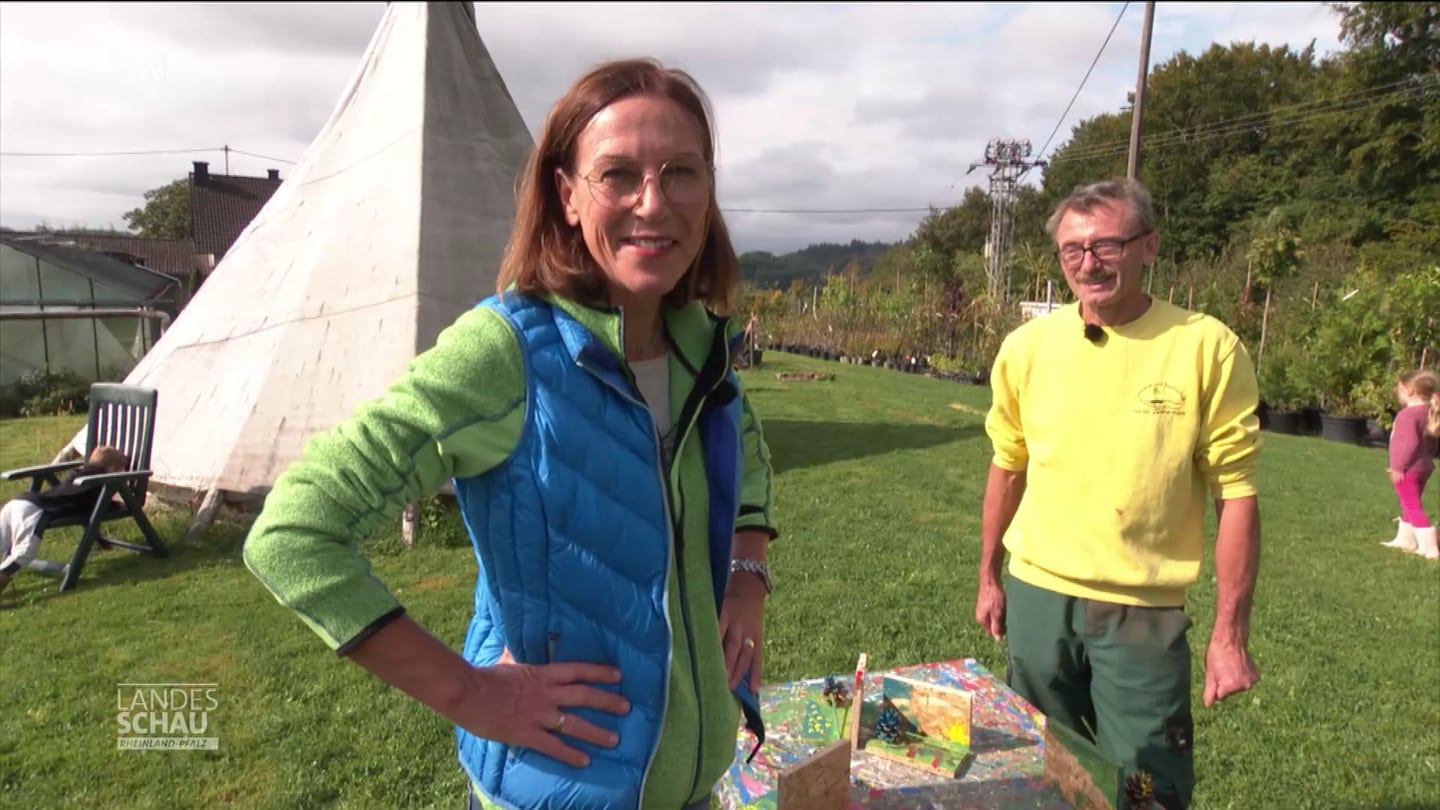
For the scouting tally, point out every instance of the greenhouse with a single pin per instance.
(76, 313)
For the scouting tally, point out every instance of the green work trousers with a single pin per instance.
(1117, 674)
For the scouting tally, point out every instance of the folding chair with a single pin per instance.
(122, 417)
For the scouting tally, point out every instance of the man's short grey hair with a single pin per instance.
(1088, 197)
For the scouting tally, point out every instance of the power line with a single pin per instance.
(263, 157)
(827, 210)
(1372, 93)
(1304, 111)
(1268, 120)
(1272, 119)
(1093, 63)
(113, 154)
(292, 162)
(1301, 113)
(140, 152)
(1377, 94)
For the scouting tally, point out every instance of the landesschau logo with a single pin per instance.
(166, 716)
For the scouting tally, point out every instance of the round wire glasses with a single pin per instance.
(619, 184)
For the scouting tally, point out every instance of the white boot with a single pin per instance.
(1426, 544)
(1404, 538)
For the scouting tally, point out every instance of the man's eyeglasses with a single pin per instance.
(683, 181)
(1105, 250)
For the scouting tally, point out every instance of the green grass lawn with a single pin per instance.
(879, 485)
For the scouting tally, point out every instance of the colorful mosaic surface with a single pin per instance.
(1004, 773)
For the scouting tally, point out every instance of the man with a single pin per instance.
(1111, 419)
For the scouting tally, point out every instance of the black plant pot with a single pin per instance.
(1284, 422)
(1309, 421)
(1346, 429)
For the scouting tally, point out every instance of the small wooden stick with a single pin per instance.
(856, 701)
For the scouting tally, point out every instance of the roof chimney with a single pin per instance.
(273, 174)
(202, 170)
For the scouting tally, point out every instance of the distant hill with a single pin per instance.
(768, 270)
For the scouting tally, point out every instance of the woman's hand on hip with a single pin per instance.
(742, 628)
(527, 705)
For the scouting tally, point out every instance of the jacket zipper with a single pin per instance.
(670, 558)
(688, 414)
(675, 555)
(689, 629)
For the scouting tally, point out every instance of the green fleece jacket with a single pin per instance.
(458, 412)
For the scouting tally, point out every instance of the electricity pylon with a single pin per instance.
(1009, 160)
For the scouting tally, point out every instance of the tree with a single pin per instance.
(166, 214)
(1401, 38)
(1207, 115)
(1274, 254)
(963, 228)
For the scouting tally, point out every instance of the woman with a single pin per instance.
(611, 474)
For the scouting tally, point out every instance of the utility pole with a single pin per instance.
(1138, 110)
(1008, 159)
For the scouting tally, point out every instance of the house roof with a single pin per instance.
(139, 283)
(222, 205)
(175, 257)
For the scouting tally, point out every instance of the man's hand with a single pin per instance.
(1228, 668)
(990, 608)
(1003, 491)
(1228, 671)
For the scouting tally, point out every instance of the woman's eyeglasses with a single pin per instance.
(683, 181)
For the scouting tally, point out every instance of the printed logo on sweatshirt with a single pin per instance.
(1161, 399)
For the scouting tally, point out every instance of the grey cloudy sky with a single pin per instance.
(819, 106)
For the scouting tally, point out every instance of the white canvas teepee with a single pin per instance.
(391, 226)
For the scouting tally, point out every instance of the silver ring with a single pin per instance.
(560, 724)
(749, 642)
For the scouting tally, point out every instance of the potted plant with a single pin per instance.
(1350, 347)
(1376, 398)
(1281, 391)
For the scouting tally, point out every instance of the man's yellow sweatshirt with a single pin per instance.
(1121, 440)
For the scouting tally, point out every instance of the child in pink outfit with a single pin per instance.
(1412, 459)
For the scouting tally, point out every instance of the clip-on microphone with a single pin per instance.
(1094, 334)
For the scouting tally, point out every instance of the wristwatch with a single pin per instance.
(756, 567)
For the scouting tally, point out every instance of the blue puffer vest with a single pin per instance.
(572, 538)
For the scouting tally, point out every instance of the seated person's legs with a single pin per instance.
(18, 541)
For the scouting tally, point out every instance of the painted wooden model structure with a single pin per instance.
(941, 735)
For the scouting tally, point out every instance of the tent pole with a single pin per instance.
(205, 516)
(407, 524)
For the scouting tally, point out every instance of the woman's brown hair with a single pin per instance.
(545, 255)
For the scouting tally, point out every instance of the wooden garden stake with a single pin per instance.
(857, 698)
